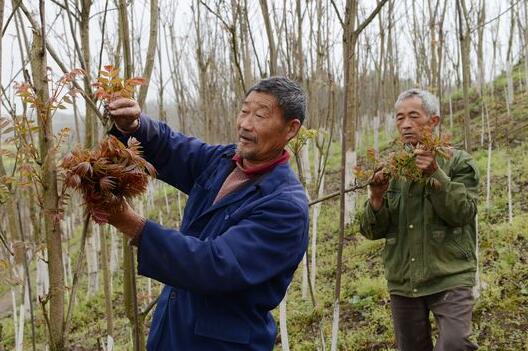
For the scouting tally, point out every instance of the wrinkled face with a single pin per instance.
(411, 118)
(262, 131)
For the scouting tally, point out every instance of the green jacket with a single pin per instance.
(430, 235)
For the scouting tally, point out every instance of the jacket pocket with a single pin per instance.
(460, 242)
(448, 253)
(390, 258)
(393, 203)
(220, 322)
(444, 246)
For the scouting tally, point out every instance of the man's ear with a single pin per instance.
(293, 128)
(435, 121)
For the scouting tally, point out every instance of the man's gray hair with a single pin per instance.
(429, 101)
(289, 94)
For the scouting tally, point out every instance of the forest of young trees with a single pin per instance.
(59, 270)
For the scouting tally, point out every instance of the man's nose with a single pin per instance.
(246, 122)
(406, 124)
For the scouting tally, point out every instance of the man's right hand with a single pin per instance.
(378, 186)
(125, 113)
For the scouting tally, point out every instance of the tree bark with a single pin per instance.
(465, 42)
(151, 51)
(49, 189)
(299, 53)
(90, 122)
(129, 280)
(271, 40)
(107, 282)
(348, 140)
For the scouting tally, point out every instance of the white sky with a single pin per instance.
(181, 12)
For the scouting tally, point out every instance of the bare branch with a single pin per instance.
(338, 14)
(226, 25)
(369, 19)
(11, 16)
(62, 66)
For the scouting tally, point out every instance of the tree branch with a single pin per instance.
(149, 307)
(338, 14)
(11, 16)
(63, 68)
(369, 19)
(216, 15)
(337, 193)
(4, 242)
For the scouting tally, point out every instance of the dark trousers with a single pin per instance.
(452, 311)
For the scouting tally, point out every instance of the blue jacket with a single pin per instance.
(230, 263)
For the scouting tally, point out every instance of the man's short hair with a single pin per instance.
(429, 102)
(289, 94)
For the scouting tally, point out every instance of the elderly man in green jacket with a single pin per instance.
(430, 236)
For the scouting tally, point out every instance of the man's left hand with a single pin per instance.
(127, 221)
(425, 161)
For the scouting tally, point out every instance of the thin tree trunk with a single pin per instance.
(49, 191)
(203, 63)
(27, 291)
(151, 51)
(107, 281)
(90, 122)
(76, 273)
(299, 52)
(315, 220)
(465, 42)
(348, 141)
(440, 55)
(271, 41)
(161, 93)
(15, 314)
(510, 199)
(509, 85)
(92, 261)
(480, 45)
(21, 319)
(488, 166)
(129, 280)
(285, 343)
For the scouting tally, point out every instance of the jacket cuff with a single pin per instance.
(129, 132)
(123, 136)
(376, 216)
(136, 239)
(141, 240)
(442, 178)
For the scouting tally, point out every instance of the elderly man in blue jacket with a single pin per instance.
(244, 230)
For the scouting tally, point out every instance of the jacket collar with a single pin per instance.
(265, 183)
(263, 168)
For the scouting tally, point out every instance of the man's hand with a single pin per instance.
(378, 186)
(425, 161)
(125, 113)
(127, 221)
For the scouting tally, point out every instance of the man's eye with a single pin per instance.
(245, 112)
(259, 116)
